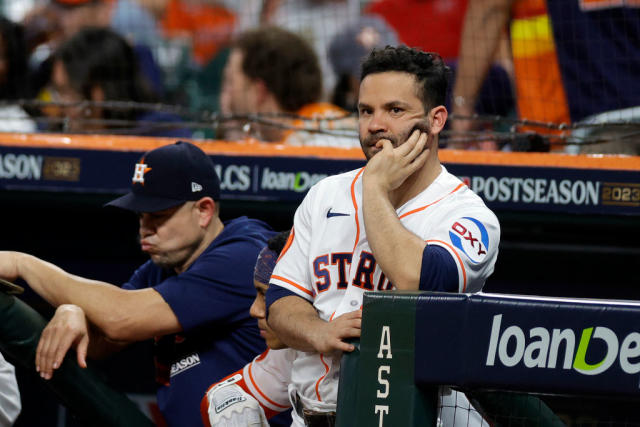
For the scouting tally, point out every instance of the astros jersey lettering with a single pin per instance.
(328, 261)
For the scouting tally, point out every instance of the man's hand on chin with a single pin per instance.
(390, 167)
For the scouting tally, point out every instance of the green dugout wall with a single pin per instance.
(82, 391)
(377, 379)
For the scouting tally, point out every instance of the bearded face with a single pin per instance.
(389, 108)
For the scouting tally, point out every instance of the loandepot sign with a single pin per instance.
(291, 181)
(536, 345)
(562, 348)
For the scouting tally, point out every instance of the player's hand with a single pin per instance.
(390, 167)
(67, 328)
(330, 336)
(8, 265)
(231, 406)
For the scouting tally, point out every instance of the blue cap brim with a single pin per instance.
(144, 203)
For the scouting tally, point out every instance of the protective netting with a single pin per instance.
(527, 75)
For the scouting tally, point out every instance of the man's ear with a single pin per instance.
(207, 210)
(438, 117)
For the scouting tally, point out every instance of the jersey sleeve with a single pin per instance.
(216, 291)
(438, 271)
(140, 278)
(471, 237)
(266, 379)
(291, 271)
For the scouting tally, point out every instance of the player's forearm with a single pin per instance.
(296, 322)
(99, 300)
(483, 24)
(397, 251)
(122, 315)
(53, 283)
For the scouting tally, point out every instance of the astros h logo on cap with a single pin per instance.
(169, 176)
(140, 170)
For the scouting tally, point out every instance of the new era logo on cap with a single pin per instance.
(169, 176)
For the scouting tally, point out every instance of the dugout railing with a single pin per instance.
(522, 361)
(84, 392)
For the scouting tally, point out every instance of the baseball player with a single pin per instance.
(401, 222)
(191, 296)
(258, 391)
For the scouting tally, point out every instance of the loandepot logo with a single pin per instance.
(565, 347)
(292, 181)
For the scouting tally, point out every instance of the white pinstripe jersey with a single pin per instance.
(328, 261)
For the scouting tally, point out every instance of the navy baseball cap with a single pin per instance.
(169, 176)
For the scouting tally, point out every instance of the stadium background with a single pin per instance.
(570, 252)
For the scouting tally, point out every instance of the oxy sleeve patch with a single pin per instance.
(470, 236)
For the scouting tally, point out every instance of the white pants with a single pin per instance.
(296, 421)
(454, 410)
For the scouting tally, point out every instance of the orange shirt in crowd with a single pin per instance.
(209, 27)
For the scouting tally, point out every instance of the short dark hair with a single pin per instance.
(101, 57)
(277, 242)
(286, 64)
(429, 69)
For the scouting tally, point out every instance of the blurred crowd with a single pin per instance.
(171, 68)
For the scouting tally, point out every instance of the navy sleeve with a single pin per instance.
(217, 289)
(140, 278)
(276, 292)
(439, 271)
